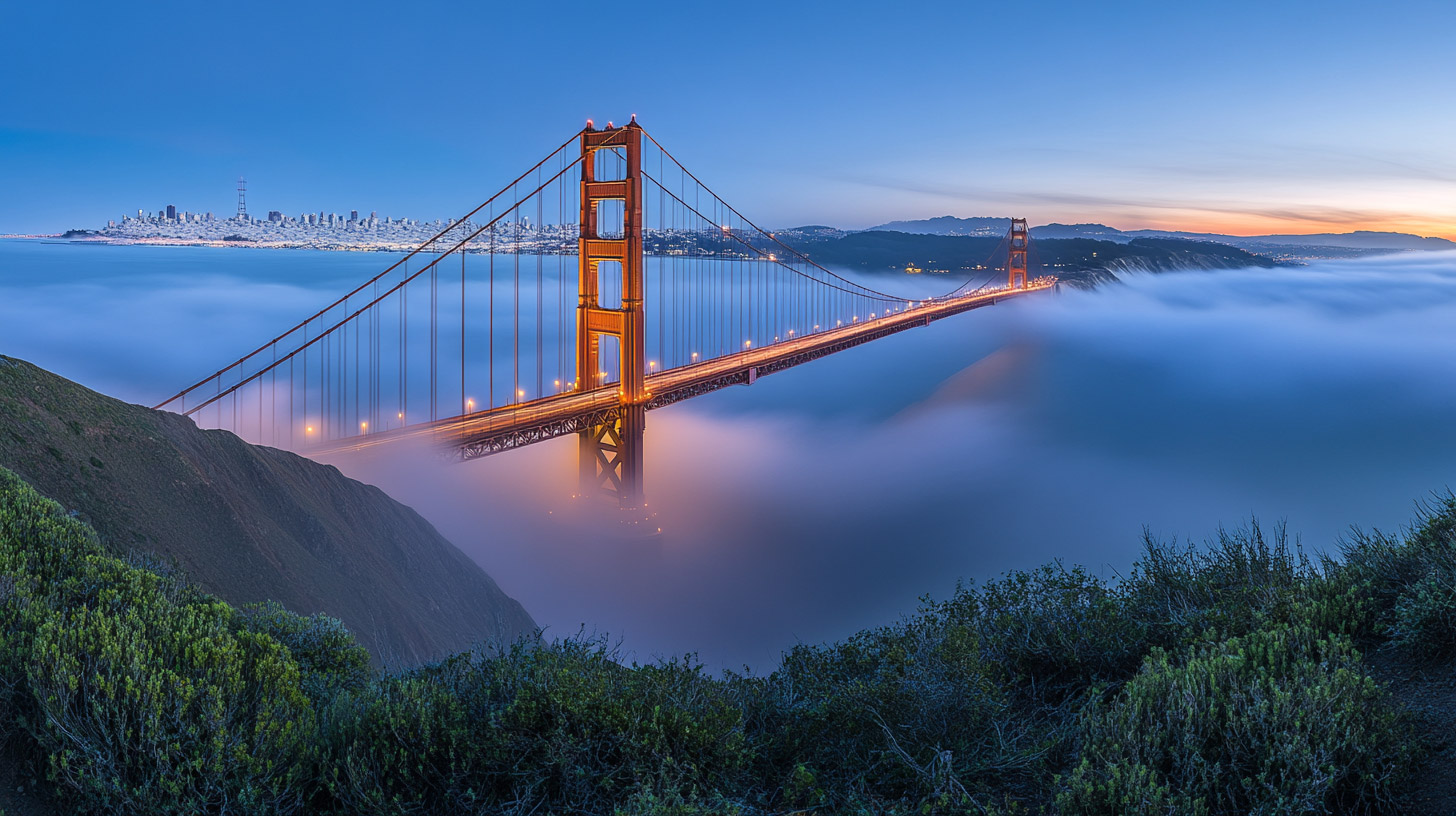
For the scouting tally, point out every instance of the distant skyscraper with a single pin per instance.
(353, 215)
(171, 213)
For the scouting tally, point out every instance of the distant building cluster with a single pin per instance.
(168, 215)
(171, 215)
(326, 230)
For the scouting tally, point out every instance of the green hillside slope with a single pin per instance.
(250, 523)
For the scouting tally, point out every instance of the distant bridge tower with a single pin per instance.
(611, 451)
(1016, 254)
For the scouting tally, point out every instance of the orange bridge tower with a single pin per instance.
(1016, 254)
(611, 450)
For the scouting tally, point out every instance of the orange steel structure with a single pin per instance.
(1016, 255)
(610, 453)
(748, 305)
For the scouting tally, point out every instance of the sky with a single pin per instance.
(1243, 117)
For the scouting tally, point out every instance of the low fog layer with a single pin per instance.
(830, 497)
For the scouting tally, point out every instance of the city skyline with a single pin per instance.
(1300, 118)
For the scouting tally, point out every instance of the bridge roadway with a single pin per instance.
(482, 433)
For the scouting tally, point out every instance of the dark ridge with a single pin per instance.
(250, 523)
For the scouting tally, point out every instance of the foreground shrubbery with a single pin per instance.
(134, 693)
(1219, 680)
(1282, 720)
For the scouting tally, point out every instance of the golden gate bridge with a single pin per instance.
(605, 281)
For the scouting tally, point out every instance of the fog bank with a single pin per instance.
(830, 497)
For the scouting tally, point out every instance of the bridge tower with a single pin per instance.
(611, 452)
(1016, 254)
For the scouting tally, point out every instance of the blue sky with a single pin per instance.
(1242, 117)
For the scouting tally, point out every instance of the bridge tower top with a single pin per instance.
(1019, 241)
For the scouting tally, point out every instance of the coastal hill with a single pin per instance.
(1076, 261)
(250, 523)
(948, 225)
(1348, 244)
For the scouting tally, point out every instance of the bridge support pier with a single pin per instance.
(611, 453)
(611, 458)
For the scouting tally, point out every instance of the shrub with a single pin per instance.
(562, 727)
(138, 694)
(1230, 585)
(910, 714)
(149, 708)
(1283, 721)
(1410, 580)
(404, 745)
(1057, 631)
(328, 656)
(1423, 622)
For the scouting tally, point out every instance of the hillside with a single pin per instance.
(1354, 244)
(1077, 261)
(948, 225)
(249, 523)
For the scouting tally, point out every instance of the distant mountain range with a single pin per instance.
(1359, 242)
(948, 225)
(1082, 262)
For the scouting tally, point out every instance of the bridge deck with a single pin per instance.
(485, 432)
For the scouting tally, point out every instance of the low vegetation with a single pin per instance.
(1226, 679)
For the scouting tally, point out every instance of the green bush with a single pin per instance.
(1057, 631)
(1423, 622)
(144, 707)
(1232, 584)
(562, 727)
(328, 656)
(137, 694)
(1410, 580)
(910, 714)
(1283, 721)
